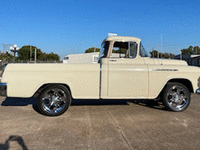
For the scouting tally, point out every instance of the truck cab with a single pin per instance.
(124, 71)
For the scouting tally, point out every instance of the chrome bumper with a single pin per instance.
(198, 91)
(3, 89)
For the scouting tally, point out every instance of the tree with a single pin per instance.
(171, 55)
(155, 54)
(188, 50)
(196, 50)
(161, 55)
(53, 57)
(6, 57)
(191, 50)
(92, 49)
(25, 54)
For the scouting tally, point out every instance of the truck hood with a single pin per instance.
(156, 61)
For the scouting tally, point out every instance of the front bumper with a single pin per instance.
(3, 89)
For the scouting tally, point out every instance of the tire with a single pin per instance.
(54, 100)
(176, 97)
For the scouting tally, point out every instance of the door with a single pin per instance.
(127, 74)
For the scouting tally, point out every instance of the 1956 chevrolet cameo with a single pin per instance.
(123, 72)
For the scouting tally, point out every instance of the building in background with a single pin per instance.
(192, 60)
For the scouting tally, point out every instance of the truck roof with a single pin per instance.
(122, 39)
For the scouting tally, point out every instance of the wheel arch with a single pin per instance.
(183, 81)
(44, 86)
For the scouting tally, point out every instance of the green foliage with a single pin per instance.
(196, 50)
(53, 56)
(191, 50)
(26, 54)
(168, 55)
(120, 51)
(92, 49)
(188, 50)
(6, 57)
(155, 54)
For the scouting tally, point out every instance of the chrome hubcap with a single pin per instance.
(177, 97)
(54, 100)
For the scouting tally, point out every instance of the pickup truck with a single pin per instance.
(124, 71)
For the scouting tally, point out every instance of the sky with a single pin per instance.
(72, 26)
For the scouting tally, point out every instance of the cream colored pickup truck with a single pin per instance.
(124, 72)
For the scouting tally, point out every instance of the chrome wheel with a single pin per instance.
(176, 97)
(54, 100)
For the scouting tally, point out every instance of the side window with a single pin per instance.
(120, 50)
(133, 50)
(124, 50)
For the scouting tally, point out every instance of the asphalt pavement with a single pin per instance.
(99, 125)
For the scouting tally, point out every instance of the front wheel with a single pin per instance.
(54, 100)
(176, 97)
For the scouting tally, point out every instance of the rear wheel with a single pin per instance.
(54, 100)
(176, 97)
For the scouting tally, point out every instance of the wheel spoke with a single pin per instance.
(50, 105)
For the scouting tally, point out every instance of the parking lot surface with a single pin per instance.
(99, 125)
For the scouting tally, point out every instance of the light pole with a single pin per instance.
(181, 57)
(14, 49)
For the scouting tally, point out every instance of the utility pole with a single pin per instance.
(158, 52)
(196, 49)
(180, 55)
(35, 55)
(161, 44)
(30, 52)
(5, 47)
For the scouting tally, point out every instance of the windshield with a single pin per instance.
(143, 52)
(104, 50)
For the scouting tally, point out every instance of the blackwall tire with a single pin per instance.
(54, 100)
(176, 97)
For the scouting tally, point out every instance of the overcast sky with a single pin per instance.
(71, 26)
